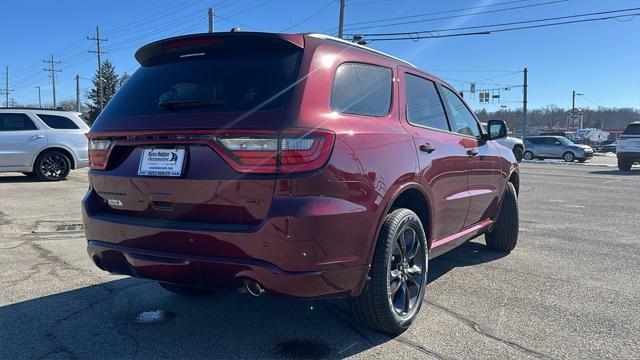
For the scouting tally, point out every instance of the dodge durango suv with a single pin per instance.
(42, 142)
(295, 165)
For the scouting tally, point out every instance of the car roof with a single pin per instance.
(36, 109)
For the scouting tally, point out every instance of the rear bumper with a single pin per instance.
(318, 247)
(629, 156)
(220, 272)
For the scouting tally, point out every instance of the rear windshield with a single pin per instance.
(632, 129)
(228, 80)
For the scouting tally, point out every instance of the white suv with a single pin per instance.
(512, 143)
(628, 146)
(44, 143)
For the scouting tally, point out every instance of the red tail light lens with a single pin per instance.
(290, 151)
(99, 153)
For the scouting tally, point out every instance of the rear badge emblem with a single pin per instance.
(114, 202)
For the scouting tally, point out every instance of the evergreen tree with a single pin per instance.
(110, 83)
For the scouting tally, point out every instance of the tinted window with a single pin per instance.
(16, 122)
(462, 121)
(632, 129)
(248, 78)
(361, 89)
(57, 122)
(423, 103)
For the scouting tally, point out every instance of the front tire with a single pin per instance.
(528, 155)
(184, 290)
(624, 165)
(52, 165)
(568, 157)
(392, 297)
(518, 153)
(504, 235)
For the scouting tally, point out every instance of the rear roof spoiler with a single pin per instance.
(194, 42)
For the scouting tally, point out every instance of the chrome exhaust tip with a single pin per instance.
(253, 288)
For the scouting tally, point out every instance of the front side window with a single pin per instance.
(16, 122)
(361, 89)
(57, 122)
(424, 107)
(462, 121)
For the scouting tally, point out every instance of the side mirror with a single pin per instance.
(497, 129)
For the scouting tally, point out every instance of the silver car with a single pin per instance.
(555, 147)
(43, 143)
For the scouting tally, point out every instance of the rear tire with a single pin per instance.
(518, 153)
(624, 165)
(504, 235)
(392, 296)
(52, 165)
(582, 160)
(528, 155)
(184, 290)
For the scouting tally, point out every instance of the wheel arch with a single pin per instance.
(60, 148)
(413, 197)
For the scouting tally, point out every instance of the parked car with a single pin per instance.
(514, 144)
(555, 147)
(297, 165)
(628, 146)
(609, 146)
(42, 142)
(566, 134)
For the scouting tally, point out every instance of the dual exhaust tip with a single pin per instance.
(252, 288)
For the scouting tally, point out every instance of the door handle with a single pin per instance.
(37, 137)
(428, 148)
(472, 152)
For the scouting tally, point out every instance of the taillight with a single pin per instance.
(289, 151)
(99, 153)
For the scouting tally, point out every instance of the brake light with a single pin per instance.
(191, 42)
(290, 151)
(99, 153)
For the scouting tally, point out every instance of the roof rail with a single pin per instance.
(349, 43)
(34, 108)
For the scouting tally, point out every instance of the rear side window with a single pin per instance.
(424, 107)
(632, 129)
(58, 122)
(16, 122)
(234, 79)
(361, 89)
(462, 121)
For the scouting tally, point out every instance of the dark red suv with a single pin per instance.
(299, 165)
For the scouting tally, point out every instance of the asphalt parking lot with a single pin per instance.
(569, 290)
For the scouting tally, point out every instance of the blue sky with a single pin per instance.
(599, 59)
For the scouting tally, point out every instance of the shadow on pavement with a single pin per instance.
(19, 179)
(632, 172)
(134, 318)
(468, 254)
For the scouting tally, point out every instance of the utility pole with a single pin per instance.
(97, 39)
(52, 69)
(6, 90)
(78, 93)
(210, 13)
(39, 97)
(524, 105)
(341, 22)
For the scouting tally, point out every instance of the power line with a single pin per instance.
(376, 21)
(310, 16)
(457, 16)
(505, 24)
(488, 32)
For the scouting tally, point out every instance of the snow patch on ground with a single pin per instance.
(609, 154)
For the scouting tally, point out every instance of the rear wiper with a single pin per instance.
(173, 104)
